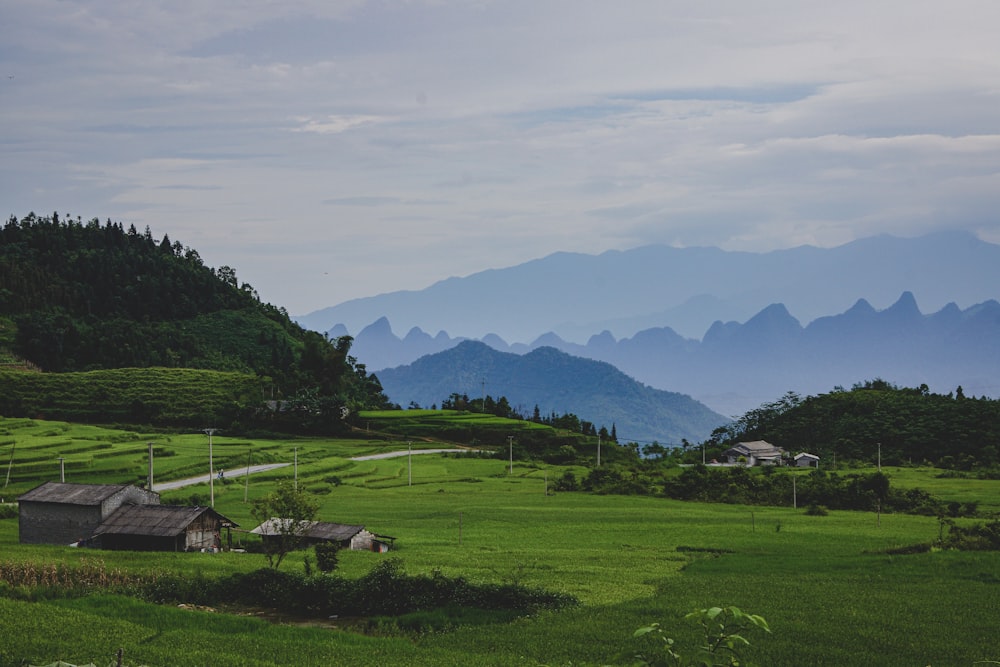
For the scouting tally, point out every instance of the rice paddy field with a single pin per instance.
(827, 585)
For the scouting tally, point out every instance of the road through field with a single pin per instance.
(241, 472)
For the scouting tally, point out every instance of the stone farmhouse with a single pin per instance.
(115, 516)
(60, 513)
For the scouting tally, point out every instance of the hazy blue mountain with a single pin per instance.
(555, 382)
(737, 366)
(686, 289)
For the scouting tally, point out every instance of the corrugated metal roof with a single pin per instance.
(319, 530)
(152, 520)
(72, 494)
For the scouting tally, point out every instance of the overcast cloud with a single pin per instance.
(336, 149)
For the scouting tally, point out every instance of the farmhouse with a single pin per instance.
(60, 513)
(806, 460)
(754, 453)
(161, 528)
(355, 538)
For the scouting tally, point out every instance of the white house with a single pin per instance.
(757, 452)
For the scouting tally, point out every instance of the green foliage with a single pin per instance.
(905, 424)
(287, 512)
(723, 641)
(976, 537)
(177, 397)
(327, 556)
(77, 297)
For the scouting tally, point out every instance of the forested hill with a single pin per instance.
(876, 418)
(81, 296)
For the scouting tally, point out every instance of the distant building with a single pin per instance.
(806, 460)
(313, 532)
(757, 452)
(161, 528)
(60, 513)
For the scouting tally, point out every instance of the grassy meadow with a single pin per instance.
(826, 585)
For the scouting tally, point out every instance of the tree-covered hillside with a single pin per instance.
(84, 296)
(876, 418)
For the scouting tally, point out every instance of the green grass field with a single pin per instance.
(825, 584)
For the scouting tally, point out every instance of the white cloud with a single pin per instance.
(388, 145)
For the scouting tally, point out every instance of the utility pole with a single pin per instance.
(880, 457)
(246, 481)
(11, 464)
(62, 469)
(510, 445)
(795, 499)
(211, 466)
(703, 452)
(295, 454)
(149, 473)
(598, 450)
(409, 463)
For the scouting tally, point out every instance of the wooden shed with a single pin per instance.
(161, 528)
(61, 513)
(313, 532)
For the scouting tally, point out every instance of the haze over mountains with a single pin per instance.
(686, 289)
(859, 303)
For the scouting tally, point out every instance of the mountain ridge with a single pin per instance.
(625, 291)
(738, 366)
(555, 382)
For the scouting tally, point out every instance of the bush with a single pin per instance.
(327, 556)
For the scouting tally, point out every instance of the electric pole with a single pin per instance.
(211, 466)
(149, 474)
(510, 445)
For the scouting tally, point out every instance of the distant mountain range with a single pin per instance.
(737, 367)
(687, 289)
(555, 382)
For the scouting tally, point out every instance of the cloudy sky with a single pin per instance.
(335, 149)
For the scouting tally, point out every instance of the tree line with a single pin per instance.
(81, 296)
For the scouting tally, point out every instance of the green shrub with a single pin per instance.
(327, 556)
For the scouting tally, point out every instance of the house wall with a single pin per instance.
(203, 533)
(362, 541)
(129, 494)
(138, 543)
(56, 523)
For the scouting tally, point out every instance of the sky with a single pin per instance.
(335, 149)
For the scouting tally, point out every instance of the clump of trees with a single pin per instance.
(875, 418)
(81, 296)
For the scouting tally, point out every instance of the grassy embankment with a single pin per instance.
(830, 593)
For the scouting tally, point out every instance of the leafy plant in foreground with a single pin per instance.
(723, 629)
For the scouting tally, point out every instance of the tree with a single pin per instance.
(285, 513)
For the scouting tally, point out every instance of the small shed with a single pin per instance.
(347, 536)
(806, 460)
(61, 513)
(161, 528)
(756, 452)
